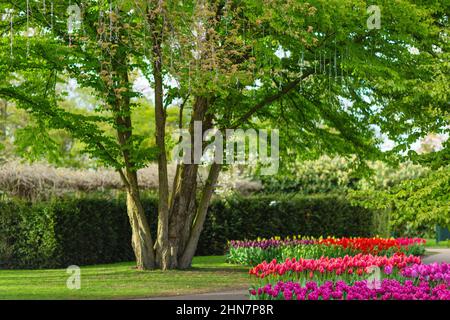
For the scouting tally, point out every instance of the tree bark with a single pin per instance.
(141, 239)
(163, 256)
(197, 226)
(183, 202)
(3, 118)
(182, 207)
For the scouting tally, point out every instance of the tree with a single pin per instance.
(37, 66)
(313, 69)
(415, 204)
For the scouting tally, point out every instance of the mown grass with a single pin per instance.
(431, 243)
(122, 280)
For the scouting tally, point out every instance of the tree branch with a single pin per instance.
(269, 99)
(89, 136)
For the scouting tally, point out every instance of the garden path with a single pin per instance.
(437, 255)
(224, 295)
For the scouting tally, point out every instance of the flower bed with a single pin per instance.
(399, 277)
(255, 252)
(435, 272)
(389, 289)
(348, 268)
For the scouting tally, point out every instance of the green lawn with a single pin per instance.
(120, 280)
(431, 243)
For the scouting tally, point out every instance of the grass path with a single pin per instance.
(120, 280)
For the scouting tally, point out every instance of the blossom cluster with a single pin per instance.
(372, 245)
(435, 272)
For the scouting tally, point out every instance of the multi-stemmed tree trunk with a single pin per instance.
(180, 218)
(187, 211)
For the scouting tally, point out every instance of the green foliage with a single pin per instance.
(48, 63)
(385, 176)
(382, 82)
(27, 236)
(337, 175)
(315, 176)
(415, 205)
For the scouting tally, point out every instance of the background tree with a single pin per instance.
(415, 206)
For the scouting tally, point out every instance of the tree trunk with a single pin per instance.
(183, 202)
(163, 256)
(141, 239)
(182, 209)
(3, 118)
(191, 246)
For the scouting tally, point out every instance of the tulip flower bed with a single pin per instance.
(255, 252)
(350, 269)
(435, 272)
(341, 269)
(389, 289)
(399, 277)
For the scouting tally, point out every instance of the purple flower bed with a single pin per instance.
(413, 282)
(269, 243)
(388, 289)
(436, 272)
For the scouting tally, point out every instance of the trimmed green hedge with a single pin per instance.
(83, 231)
(64, 232)
(241, 218)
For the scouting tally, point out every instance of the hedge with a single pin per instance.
(265, 216)
(82, 231)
